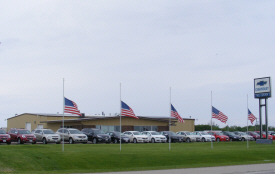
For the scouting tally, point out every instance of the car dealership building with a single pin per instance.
(32, 121)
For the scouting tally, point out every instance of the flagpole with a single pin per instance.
(63, 116)
(247, 123)
(169, 121)
(211, 122)
(120, 120)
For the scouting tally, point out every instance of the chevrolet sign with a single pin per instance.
(262, 87)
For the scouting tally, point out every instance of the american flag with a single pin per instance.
(219, 115)
(251, 117)
(127, 111)
(71, 107)
(174, 113)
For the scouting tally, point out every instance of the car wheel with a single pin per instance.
(58, 143)
(71, 141)
(34, 142)
(243, 139)
(135, 140)
(94, 141)
(19, 141)
(84, 143)
(187, 140)
(115, 141)
(254, 139)
(44, 141)
(202, 140)
(8, 143)
(152, 140)
(218, 140)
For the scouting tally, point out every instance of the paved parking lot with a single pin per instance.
(240, 169)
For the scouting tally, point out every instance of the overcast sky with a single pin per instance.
(194, 47)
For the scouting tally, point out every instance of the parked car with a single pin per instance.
(136, 137)
(189, 136)
(244, 136)
(46, 136)
(22, 136)
(72, 135)
(155, 137)
(273, 135)
(205, 136)
(232, 136)
(4, 137)
(254, 135)
(264, 134)
(96, 135)
(115, 137)
(219, 136)
(270, 132)
(172, 136)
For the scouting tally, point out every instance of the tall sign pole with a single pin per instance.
(169, 122)
(262, 91)
(63, 116)
(120, 120)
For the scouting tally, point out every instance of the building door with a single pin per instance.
(40, 126)
(28, 126)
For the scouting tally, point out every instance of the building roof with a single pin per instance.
(87, 117)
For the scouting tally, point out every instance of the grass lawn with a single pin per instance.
(81, 158)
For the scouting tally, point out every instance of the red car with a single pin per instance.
(4, 137)
(254, 135)
(264, 135)
(219, 136)
(22, 136)
(273, 135)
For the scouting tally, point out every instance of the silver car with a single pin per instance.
(136, 137)
(155, 137)
(72, 135)
(46, 136)
(189, 136)
(205, 137)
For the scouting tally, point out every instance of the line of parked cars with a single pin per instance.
(72, 135)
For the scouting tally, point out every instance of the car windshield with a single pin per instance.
(117, 134)
(203, 133)
(171, 133)
(24, 132)
(75, 132)
(155, 133)
(48, 132)
(137, 133)
(230, 133)
(98, 132)
(188, 133)
(253, 133)
(2, 132)
(219, 133)
(242, 133)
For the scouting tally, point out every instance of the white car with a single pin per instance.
(244, 136)
(136, 137)
(46, 136)
(72, 135)
(155, 137)
(189, 136)
(205, 136)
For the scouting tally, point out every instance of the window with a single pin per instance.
(144, 128)
(106, 128)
